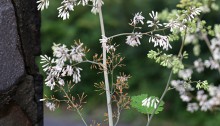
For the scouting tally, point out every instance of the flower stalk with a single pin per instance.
(107, 89)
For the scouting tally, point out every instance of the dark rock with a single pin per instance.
(38, 81)
(12, 115)
(28, 20)
(24, 97)
(11, 60)
(20, 81)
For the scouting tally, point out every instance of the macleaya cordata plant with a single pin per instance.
(183, 25)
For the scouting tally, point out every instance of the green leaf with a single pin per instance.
(136, 102)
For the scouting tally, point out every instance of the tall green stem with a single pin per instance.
(107, 89)
(161, 98)
(168, 82)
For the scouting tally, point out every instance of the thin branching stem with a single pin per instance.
(168, 82)
(74, 106)
(107, 89)
(118, 115)
(144, 33)
(161, 98)
(88, 61)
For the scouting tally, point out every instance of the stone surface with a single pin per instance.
(21, 85)
(28, 21)
(38, 81)
(12, 115)
(24, 97)
(11, 59)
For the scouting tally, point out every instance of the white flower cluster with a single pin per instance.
(203, 101)
(150, 102)
(68, 5)
(208, 101)
(61, 65)
(210, 63)
(192, 107)
(183, 89)
(215, 47)
(175, 25)
(160, 40)
(185, 74)
(191, 13)
(50, 105)
(178, 23)
(133, 40)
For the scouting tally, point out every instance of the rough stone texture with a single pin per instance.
(21, 85)
(16, 116)
(12, 69)
(24, 97)
(28, 20)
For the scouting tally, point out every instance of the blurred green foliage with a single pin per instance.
(147, 76)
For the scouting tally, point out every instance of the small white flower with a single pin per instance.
(190, 38)
(206, 106)
(193, 12)
(212, 64)
(76, 74)
(185, 74)
(50, 105)
(178, 85)
(185, 98)
(201, 96)
(215, 46)
(155, 22)
(45, 60)
(77, 53)
(175, 25)
(96, 5)
(133, 40)
(42, 4)
(103, 41)
(50, 82)
(213, 91)
(67, 5)
(192, 107)
(61, 53)
(56, 70)
(148, 102)
(153, 15)
(83, 2)
(160, 40)
(61, 82)
(110, 48)
(107, 45)
(198, 64)
(137, 18)
(181, 87)
(69, 70)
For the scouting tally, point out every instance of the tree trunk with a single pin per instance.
(21, 85)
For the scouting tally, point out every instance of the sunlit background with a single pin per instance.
(147, 77)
